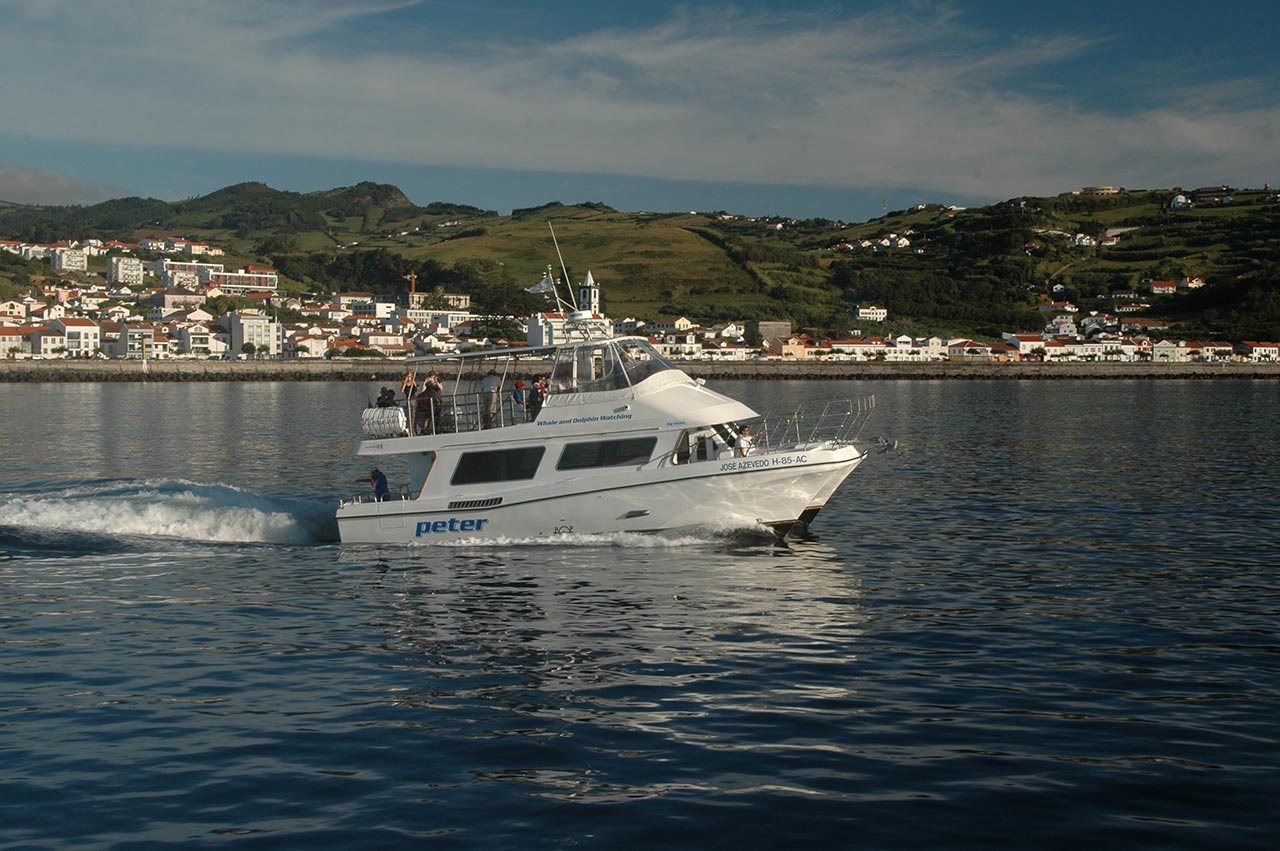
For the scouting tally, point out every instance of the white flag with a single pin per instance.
(546, 285)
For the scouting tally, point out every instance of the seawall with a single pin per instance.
(392, 372)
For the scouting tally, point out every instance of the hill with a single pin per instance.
(937, 270)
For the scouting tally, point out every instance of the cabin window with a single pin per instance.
(607, 453)
(502, 465)
(639, 359)
(615, 365)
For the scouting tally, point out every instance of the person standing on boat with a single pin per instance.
(409, 387)
(490, 387)
(518, 395)
(435, 392)
(537, 393)
(744, 444)
(422, 410)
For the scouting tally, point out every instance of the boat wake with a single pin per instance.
(166, 508)
(689, 537)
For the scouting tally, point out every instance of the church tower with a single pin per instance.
(589, 295)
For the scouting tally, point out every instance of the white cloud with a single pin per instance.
(910, 98)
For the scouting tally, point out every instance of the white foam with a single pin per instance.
(169, 508)
(692, 537)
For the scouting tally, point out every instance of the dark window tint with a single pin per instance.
(607, 453)
(502, 465)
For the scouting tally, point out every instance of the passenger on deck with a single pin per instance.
(409, 386)
(387, 398)
(435, 392)
(519, 396)
(422, 419)
(744, 443)
(490, 387)
(537, 393)
(378, 479)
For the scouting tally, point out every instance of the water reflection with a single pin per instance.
(632, 654)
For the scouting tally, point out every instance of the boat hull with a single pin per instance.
(773, 490)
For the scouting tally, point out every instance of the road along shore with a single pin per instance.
(393, 372)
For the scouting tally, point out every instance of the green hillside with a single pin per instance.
(977, 271)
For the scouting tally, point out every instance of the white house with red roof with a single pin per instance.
(348, 299)
(13, 310)
(1058, 307)
(44, 341)
(856, 348)
(962, 349)
(1024, 342)
(82, 336)
(387, 343)
(1258, 351)
(308, 346)
(723, 350)
(13, 342)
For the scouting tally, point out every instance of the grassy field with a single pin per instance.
(639, 260)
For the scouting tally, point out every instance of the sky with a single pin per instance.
(760, 107)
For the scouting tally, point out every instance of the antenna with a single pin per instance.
(567, 286)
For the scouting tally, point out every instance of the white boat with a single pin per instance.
(624, 442)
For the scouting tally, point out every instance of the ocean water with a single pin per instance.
(1048, 620)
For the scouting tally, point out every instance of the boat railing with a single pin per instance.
(839, 421)
(465, 412)
(400, 493)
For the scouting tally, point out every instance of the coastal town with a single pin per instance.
(166, 307)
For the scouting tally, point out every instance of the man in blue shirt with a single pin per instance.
(379, 481)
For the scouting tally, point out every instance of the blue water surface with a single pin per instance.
(1048, 620)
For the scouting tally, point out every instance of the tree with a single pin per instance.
(248, 348)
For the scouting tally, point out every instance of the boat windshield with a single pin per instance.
(608, 365)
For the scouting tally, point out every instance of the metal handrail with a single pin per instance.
(839, 421)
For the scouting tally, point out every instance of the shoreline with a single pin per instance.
(17, 371)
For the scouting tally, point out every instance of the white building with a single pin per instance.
(48, 341)
(248, 279)
(252, 326)
(175, 273)
(380, 310)
(1259, 351)
(549, 329)
(125, 270)
(83, 336)
(70, 260)
(447, 320)
(307, 345)
(871, 313)
(197, 339)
